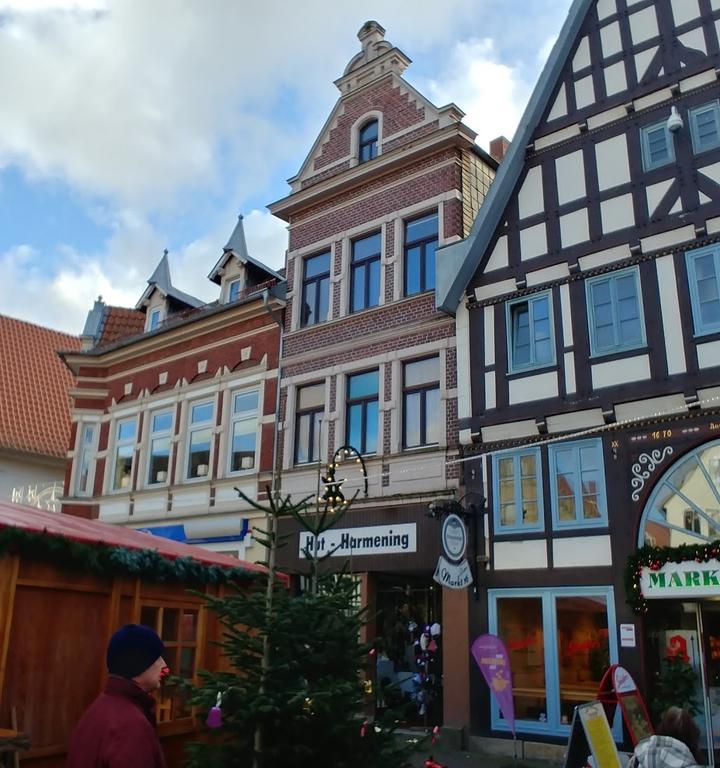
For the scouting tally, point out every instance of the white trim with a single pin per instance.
(373, 114)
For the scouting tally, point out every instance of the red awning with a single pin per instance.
(95, 532)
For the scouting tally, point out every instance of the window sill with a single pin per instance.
(530, 371)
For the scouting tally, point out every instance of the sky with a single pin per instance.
(130, 126)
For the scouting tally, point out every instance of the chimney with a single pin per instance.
(499, 148)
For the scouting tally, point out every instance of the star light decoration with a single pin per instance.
(655, 558)
(333, 496)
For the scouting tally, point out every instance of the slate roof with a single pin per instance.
(34, 384)
(237, 246)
(161, 280)
(457, 263)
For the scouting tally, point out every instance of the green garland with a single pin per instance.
(654, 558)
(103, 560)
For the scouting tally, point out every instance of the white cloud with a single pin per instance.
(491, 93)
(141, 99)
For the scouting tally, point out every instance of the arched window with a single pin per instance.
(684, 507)
(368, 141)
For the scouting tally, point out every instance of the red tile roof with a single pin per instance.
(34, 383)
(95, 532)
(119, 323)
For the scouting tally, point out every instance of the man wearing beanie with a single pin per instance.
(118, 729)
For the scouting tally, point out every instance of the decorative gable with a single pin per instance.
(372, 88)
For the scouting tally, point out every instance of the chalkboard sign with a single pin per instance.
(590, 735)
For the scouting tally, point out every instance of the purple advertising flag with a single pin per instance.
(492, 658)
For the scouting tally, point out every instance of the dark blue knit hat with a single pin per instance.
(132, 649)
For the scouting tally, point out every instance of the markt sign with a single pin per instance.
(686, 579)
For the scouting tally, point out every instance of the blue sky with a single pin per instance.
(130, 126)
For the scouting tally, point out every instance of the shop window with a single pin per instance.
(615, 312)
(365, 272)
(657, 146)
(577, 484)
(124, 451)
(85, 466)
(560, 643)
(178, 628)
(703, 267)
(243, 431)
(518, 491)
(315, 289)
(199, 441)
(159, 450)
(421, 240)
(310, 407)
(529, 329)
(705, 127)
(362, 411)
(422, 420)
(684, 507)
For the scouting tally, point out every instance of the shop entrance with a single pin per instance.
(684, 664)
(409, 658)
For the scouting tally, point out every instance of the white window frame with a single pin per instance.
(117, 444)
(160, 434)
(714, 107)
(193, 428)
(154, 312)
(86, 449)
(240, 418)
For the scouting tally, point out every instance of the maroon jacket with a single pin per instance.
(117, 730)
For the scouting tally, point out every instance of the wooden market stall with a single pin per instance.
(66, 584)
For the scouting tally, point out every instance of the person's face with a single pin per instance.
(150, 679)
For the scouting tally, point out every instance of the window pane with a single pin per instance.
(149, 617)
(583, 649)
(365, 247)
(88, 435)
(317, 265)
(520, 328)
(159, 460)
(126, 430)
(373, 283)
(188, 626)
(363, 385)
(369, 132)
(422, 229)
(371, 428)
(520, 625)
(433, 422)
(422, 372)
(187, 662)
(243, 445)
(358, 288)
(412, 420)
(199, 459)
(170, 624)
(412, 270)
(323, 300)
(245, 401)
(430, 249)
(354, 426)
(162, 422)
(123, 466)
(201, 412)
(311, 396)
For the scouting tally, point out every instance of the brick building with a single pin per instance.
(174, 406)
(368, 362)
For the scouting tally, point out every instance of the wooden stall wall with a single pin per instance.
(54, 628)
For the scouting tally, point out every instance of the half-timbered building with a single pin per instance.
(587, 303)
(174, 406)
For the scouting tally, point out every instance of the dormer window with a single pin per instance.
(154, 319)
(234, 290)
(368, 141)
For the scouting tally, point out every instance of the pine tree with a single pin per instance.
(295, 695)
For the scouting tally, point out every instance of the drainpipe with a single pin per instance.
(276, 475)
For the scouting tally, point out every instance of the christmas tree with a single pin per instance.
(295, 695)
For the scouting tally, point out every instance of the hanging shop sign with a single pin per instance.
(368, 540)
(686, 579)
(453, 570)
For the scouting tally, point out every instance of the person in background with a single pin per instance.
(675, 745)
(118, 729)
